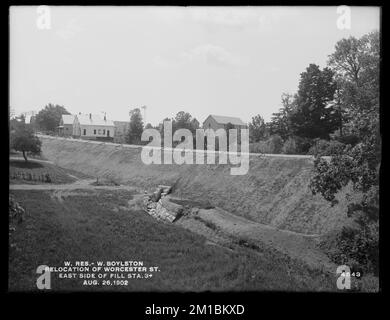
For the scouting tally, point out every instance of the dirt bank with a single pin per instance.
(274, 191)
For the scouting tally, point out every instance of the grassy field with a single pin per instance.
(33, 172)
(99, 226)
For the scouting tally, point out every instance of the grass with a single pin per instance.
(94, 226)
(192, 203)
(30, 156)
(208, 224)
(34, 172)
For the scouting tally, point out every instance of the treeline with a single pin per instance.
(182, 120)
(356, 158)
(319, 117)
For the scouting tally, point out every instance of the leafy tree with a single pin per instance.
(23, 139)
(280, 122)
(356, 62)
(136, 127)
(257, 129)
(16, 121)
(49, 118)
(194, 125)
(184, 120)
(314, 116)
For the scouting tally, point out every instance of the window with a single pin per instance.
(94, 131)
(108, 133)
(99, 131)
(85, 132)
(104, 131)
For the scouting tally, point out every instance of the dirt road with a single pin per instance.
(79, 184)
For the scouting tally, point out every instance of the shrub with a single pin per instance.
(273, 145)
(326, 148)
(290, 146)
(349, 139)
(259, 147)
(303, 144)
(355, 247)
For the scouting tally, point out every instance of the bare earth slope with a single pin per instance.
(274, 191)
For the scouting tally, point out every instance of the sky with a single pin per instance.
(232, 61)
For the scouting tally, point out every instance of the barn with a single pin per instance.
(221, 122)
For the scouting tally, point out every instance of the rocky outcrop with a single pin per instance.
(160, 207)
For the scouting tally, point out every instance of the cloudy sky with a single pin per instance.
(234, 61)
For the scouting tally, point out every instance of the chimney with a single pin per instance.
(90, 116)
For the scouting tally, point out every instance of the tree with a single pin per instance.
(23, 139)
(136, 127)
(314, 116)
(48, 119)
(280, 123)
(194, 125)
(356, 63)
(257, 129)
(184, 120)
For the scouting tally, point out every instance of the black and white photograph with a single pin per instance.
(182, 149)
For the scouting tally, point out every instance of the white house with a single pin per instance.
(93, 126)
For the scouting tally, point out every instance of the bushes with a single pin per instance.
(290, 146)
(359, 166)
(297, 145)
(326, 148)
(355, 247)
(257, 147)
(273, 145)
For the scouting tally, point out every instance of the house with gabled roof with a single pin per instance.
(66, 125)
(221, 122)
(93, 127)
